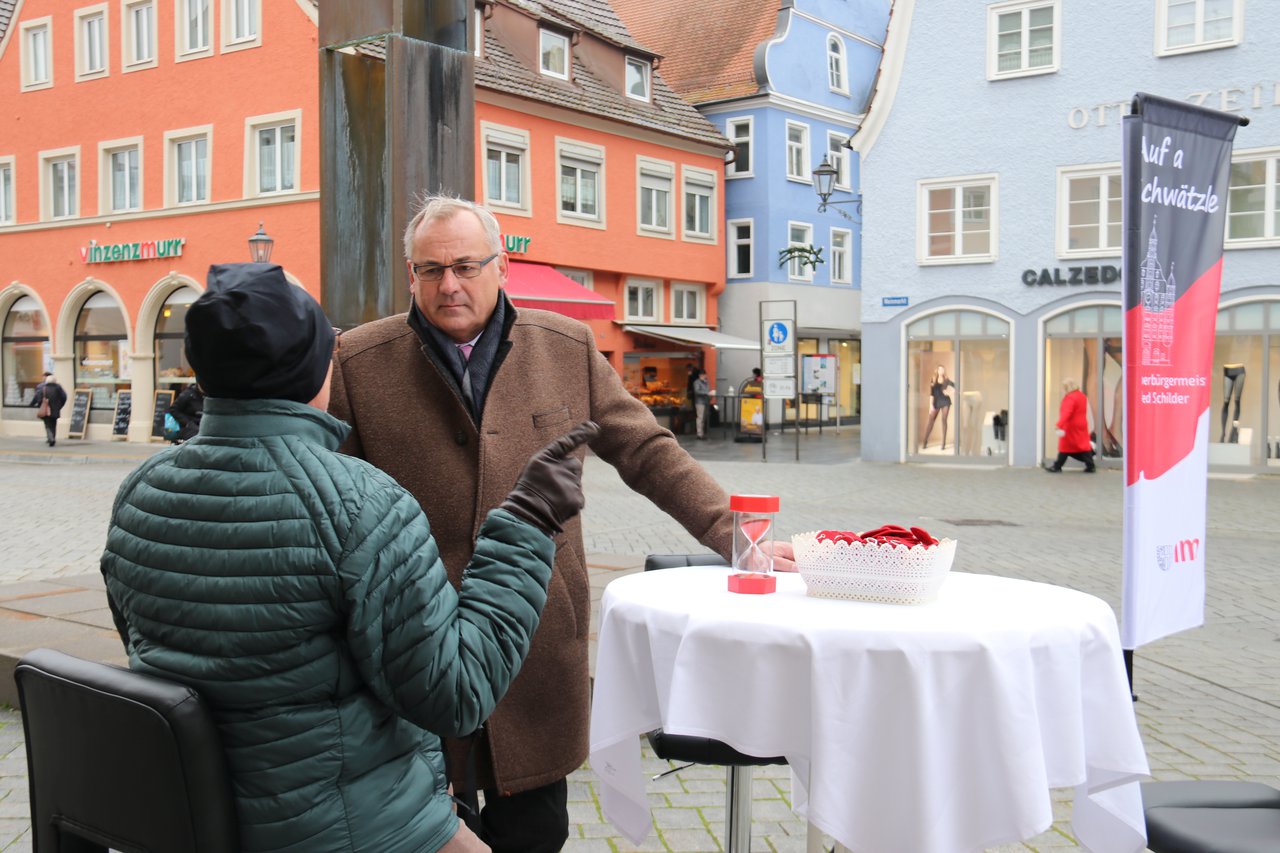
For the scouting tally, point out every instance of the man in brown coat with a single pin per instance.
(452, 400)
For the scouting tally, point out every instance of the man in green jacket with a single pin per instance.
(301, 593)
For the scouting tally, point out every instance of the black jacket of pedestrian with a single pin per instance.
(57, 398)
(187, 411)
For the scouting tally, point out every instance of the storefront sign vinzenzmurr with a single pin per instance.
(143, 250)
(1066, 276)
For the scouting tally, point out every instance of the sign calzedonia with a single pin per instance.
(143, 250)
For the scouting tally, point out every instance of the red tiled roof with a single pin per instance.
(6, 15)
(708, 47)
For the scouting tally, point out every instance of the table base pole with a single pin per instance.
(737, 817)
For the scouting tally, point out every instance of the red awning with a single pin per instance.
(540, 286)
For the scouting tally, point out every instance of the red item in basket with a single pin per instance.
(889, 534)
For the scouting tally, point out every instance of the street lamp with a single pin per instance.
(824, 179)
(260, 246)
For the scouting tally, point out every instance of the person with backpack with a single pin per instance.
(48, 402)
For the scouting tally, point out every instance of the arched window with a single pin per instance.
(1084, 345)
(24, 351)
(172, 370)
(835, 64)
(958, 386)
(102, 342)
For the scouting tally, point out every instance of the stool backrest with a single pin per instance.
(121, 760)
(654, 562)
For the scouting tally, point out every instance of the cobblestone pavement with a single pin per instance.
(1209, 701)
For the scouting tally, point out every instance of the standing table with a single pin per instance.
(933, 728)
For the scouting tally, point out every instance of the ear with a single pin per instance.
(503, 268)
(413, 279)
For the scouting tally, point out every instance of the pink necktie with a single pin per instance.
(466, 351)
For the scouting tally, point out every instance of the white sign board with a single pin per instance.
(818, 374)
(778, 337)
(775, 389)
(779, 365)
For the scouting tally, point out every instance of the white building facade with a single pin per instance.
(991, 247)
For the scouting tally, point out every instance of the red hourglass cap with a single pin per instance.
(753, 503)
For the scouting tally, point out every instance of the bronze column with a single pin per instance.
(397, 117)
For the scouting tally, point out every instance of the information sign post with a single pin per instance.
(778, 359)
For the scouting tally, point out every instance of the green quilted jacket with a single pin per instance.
(301, 593)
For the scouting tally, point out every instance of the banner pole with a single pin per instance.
(1128, 671)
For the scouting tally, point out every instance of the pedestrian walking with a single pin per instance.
(187, 410)
(701, 401)
(48, 402)
(1073, 429)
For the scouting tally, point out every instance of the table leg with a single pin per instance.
(737, 818)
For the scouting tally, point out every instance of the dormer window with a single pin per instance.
(638, 72)
(554, 50)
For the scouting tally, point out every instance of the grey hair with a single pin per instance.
(434, 207)
(1070, 385)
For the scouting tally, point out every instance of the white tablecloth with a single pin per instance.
(939, 727)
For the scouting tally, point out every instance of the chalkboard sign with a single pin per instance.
(80, 400)
(164, 399)
(124, 408)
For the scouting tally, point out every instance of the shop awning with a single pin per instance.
(540, 286)
(694, 335)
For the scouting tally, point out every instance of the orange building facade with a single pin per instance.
(144, 140)
(147, 139)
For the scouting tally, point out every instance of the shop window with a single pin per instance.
(7, 214)
(192, 23)
(187, 165)
(553, 52)
(581, 183)
(957, 220)
(1184, 26)
(172, 370)
(958, 386)
(138, 39)
(841, 241)
(837, 80)
(1253, 201)
(271, 163)
(1022, 38)
(1089, 211)
(638, 74)
(642, 299)
(506, 170)
(25, 354)
(477, 20)
(120, 173)
(739, 132)
(101, 350)
(241, 24)
(91, 42)
(699, 204)
(1084, 346)
(848, 376)
(655, 178)
(686, 303)
(799, 235)
(798, 152)
(741, 247)
(37, 58)
(1244, 408)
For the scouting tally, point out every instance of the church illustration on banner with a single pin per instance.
(1158, 297)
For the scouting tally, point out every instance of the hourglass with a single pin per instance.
(753, 543)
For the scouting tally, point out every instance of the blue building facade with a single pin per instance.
(812, 68)
(991, 269)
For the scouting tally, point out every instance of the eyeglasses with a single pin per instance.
(337, 339)
(462, 269)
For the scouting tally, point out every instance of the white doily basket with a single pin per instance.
(871, 571)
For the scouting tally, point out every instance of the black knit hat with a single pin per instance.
(253, 335)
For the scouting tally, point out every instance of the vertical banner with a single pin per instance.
(1175, 171)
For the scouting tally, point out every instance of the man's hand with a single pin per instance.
(784, 556)
(549, 491)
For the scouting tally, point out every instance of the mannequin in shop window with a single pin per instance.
(940, 392)
(1232, 390)
(1110, 443)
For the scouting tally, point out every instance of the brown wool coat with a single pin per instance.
(408, 419)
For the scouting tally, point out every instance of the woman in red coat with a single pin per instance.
(1073, 429)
